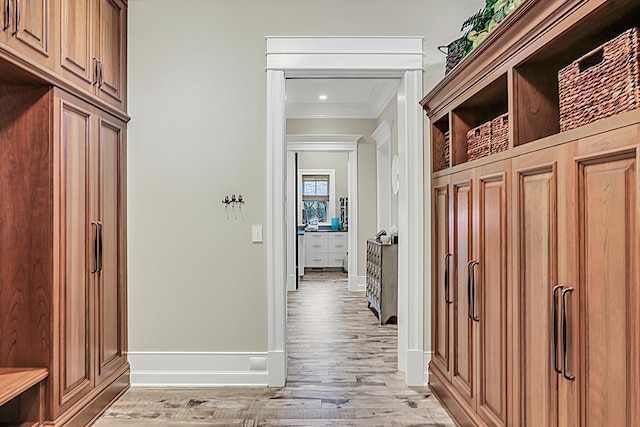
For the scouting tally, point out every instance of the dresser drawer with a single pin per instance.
(335, 259)
(316, 260)
(337, 245)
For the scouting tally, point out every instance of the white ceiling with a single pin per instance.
(345, 98)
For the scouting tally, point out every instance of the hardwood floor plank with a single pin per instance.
(342, 371)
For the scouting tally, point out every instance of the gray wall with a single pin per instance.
(197, 96)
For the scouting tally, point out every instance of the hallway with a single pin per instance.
(341, 372)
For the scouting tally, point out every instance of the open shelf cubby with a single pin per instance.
(536, 94)
(440, 137)
(485, 105)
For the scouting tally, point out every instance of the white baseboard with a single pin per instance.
(427, 359)
(197, 369)
(362, 283)
(277, 368)
(291, 282)
(415, 368)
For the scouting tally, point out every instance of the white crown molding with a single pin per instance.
(197, 369)
(381, 97)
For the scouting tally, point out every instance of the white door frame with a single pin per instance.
(325, 57)
(382, 136)
(322, 143)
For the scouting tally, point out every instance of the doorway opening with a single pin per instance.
(340, 57)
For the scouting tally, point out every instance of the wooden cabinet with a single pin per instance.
(93, 47)
(470, 295)
(535, 286)
(63, 175)
(92, 266)
(28, 29)
(382, 280)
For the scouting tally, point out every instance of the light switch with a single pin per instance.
(256, 233)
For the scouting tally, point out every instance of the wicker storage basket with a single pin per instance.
(500, 133)
(601, 84)
(455, 53)
(447, 149)
(479, 141)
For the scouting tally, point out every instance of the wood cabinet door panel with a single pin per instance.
(607, 291)
(76, 377)
(491, 297)
(536, 263)
(463, 340)
(112, 50)
(110, 298)
(76, 41)
(442, 264)
(34, 25)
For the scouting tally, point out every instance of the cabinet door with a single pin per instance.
(110, 299)
(441, 288)
(28, 28)
(76, 41)
(76, 260)
(489, 289)
(111, 51)
(603, 310)
(463, 337)
(535, 262)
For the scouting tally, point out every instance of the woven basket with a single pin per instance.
(602, 83)
(455, 53)
(479, 141)
(500, 134)
(447, 149)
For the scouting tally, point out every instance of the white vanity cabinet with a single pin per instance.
(325, 248)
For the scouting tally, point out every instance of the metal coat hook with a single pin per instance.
(233, 201)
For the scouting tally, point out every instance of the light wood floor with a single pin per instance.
(341, 372)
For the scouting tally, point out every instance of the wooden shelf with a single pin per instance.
(515, 71)
(14, 381)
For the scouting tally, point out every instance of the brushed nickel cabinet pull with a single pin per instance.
(554, 325)
(564, 334)
(447, 289)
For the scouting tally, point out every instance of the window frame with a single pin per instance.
(331, 203)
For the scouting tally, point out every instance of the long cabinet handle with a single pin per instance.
(17, 18)
(100, 246)
(101, 75)
(473, 292)
(7, 23)
(447, 289)
(96, 233)
(95, 71)
(564, 334)
(554, 324)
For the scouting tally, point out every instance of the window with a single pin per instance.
(315, 196)
(316, 193)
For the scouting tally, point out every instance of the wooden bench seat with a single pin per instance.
(22, 396)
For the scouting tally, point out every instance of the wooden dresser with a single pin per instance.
(535, 285)
(382, 280)
(63, 238)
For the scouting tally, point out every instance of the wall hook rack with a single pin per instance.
(233, 201)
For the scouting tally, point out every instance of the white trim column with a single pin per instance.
(411, 227)
(353, 220)
(291, 220)
(275, 235)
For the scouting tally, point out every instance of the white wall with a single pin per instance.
(335, 161)
(197, 97)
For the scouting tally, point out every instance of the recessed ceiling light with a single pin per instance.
(322, 97)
